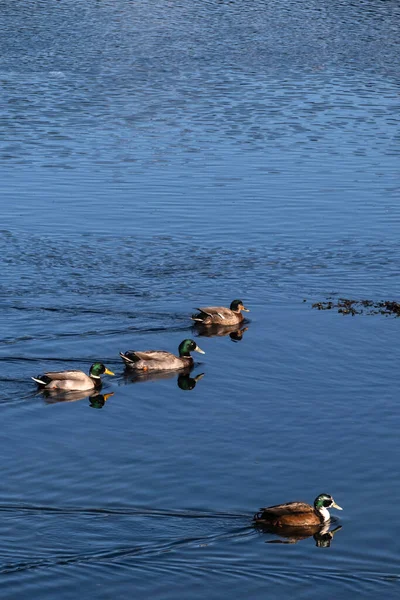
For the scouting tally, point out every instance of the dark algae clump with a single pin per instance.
(346, 306)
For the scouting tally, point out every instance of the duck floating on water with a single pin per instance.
(73, 381)
(220, 315)
(159, 360)
(297, 514)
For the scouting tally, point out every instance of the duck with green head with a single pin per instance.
(70, 381)
(297, 514)
(220, 315)
(159, 360)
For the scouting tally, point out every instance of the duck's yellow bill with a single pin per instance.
(107, 396)
(337, 506)
(199, 350)
(245, 309)
(108, 372)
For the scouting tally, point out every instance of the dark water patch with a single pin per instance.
(19, 359)
(119, 555)
(84, 334)
(122, 510)
(120, 286)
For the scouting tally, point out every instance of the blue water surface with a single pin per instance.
(157, 156)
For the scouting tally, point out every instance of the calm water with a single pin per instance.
(161, 155)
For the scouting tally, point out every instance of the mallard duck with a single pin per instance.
(219, 315)
(69, 381)
(159, 360)
(297, 514)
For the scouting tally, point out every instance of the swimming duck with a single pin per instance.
(159, 360)
(69, 381)
(219, 315)
(297, 514)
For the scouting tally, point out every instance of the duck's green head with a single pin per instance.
(98, 369)
(237, 306)
(325, 501)
(188, 346)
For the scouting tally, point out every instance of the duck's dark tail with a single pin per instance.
(41, 380)
(258, 516)
(129, 357)
(197, 317)
(200, 316)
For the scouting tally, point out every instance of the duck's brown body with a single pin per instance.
(159, 360)
(291, 514)
(220, 315)
(67, 381)
(72, 381)
(155, 360)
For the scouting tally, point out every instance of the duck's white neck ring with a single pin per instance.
(324, 513)
(95, 376)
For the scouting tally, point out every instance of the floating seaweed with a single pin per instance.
(358, 307)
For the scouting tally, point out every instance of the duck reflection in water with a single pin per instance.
(235, 332)
(184, 380)
(96, 400)
(99, 400)
(187, 383)
(322, 534)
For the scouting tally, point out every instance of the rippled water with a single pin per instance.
(156, 156)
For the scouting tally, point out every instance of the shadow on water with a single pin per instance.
(184, 380)
(322, 534)
(96, 399)
(235, 332)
